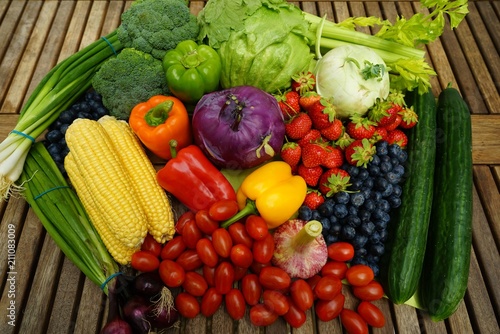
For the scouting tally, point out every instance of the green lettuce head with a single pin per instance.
(261, 43)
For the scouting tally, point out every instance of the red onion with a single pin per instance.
(238, 128)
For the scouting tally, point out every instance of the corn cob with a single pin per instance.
(151, 195)
(107, 181)
(121, 253)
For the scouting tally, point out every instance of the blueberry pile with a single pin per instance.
(89, 106)
(361, 214)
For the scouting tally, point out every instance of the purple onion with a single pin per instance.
(238, 128)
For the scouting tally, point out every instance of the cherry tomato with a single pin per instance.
(205, 223)
(335, 268)
(224, 277)
(370, 292)
(241, 256)
(191, 234)
(359, 275)
(144, 261)
(189, 260)
(239, 272)
(187, 305)
(327, 310)
(274, 278)
(251, 289)
(195, 284)
(275, 301)
(171, 273)
(151, 245)
(256, 227)
(209, 275)
(302, 294)
(210, 302)
(260, 315)
(353, 322)
(183, 219)
(341, 251)
(206, 252)
(223, 209)
(235, 304)
(221, 239)
(240, 235)
(295, 317)
(173, 248)
(328, 287)
(312, 281)
(256, 267)
(371, 314)
(263, 250)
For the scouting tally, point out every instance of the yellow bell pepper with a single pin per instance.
(272, 192)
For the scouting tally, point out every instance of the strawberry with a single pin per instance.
(298, 126)
(333, 157)
(307, 100)
(289, 104)
(313, 199)
(291, 153)
(322, 113)
(380, 134)
(395, 124)
(333, 180)
(303, 82)
(344, 141)
(333, 131)
(360, 127)
(310, 174)
(409, 118)
(384, 112)
(312, 154)
(360, 152)
(312, 136)
(397, 137)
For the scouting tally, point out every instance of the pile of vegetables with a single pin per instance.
(269, 121)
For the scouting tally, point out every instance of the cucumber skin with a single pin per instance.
(411, 221)
(444, 282)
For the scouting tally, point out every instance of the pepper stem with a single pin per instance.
(173, 147)
(307, 234)
(159, 113)
(250, 208)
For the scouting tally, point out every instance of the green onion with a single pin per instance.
(56, 92)
(62, 214)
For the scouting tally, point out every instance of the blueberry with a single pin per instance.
(56, 125)
(364, 215)
(326, 209)
(84, 114)
(335, 228)
(359, 241)
(377, 249)
(384, 205)
(356, 184)
(399, 170)
(381, 147)
(357, 199)
(383, 235)
(342, 197)
(394, 161)
(325, 222)
(377, 214)
(352, 170)
(374, 170)
(375, 268)
(394, 201)
(376, 196)
(353, 221)
(352, 210)
(305, 213)
(101, 111)
(331, 238)
(402, 156)
(366, 191)
(387, 191)
(381, 184)
(358, 260)
(63, 128)
(54, 149)
(392, 177)
(385, 158)
(375, 237)
(315, 215)
(372, 258)
(67, 116)
(375, 160)
(333, 219)
(340, 210)
(397, 190)
(394, 150)
(363, 174)
(385, 167)
(348, 232)
(381, 224)
(54, 136)
(369, 205)
(367, 228)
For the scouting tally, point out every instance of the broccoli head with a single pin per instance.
(128, 79)
(156, 26)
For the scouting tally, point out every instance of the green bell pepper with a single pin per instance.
(192, 70)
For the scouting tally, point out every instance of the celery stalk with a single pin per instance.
(63, 216)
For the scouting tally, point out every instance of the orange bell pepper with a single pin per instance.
(158, 121)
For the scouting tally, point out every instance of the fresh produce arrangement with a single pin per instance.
(260, 159)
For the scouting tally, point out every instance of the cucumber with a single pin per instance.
(446, 266)
(410, 223)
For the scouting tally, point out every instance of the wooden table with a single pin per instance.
(53, 296)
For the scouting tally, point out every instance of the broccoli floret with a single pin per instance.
(128, 79)
(156, 26)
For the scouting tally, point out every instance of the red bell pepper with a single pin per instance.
(193, 179)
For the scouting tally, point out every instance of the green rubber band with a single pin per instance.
(103, 285)
(49, 190)
(110, 45)
(23, 134)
